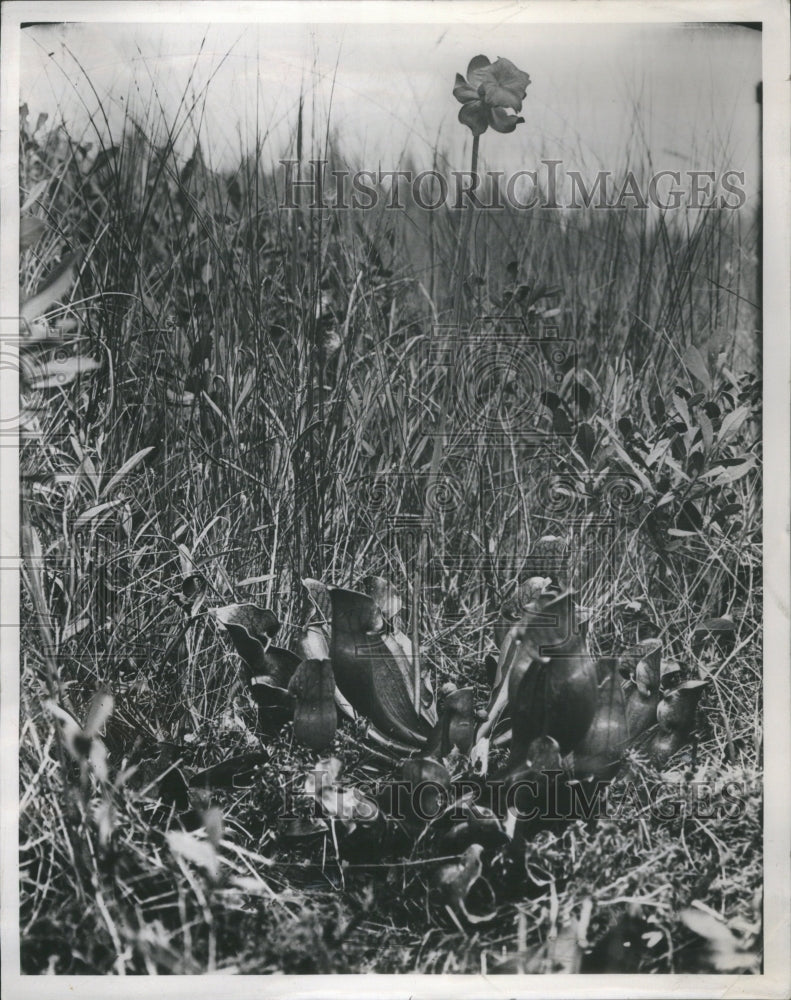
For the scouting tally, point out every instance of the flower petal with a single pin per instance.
(505, 86)
(476, 71)
(475, 116)
(462, 91)
(501, 121)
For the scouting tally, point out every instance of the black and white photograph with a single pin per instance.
(394, 467)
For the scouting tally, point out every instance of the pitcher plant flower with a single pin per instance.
(487, 91)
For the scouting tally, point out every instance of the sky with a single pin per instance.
(600, 94)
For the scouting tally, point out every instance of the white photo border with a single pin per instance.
(776, 980)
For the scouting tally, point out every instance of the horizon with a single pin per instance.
(621, 104)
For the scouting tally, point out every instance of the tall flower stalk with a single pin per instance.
(464, 238)
(486, 93)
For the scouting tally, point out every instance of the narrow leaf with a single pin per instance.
(697, 366)
(716, 625)
(706, 430)
(125, 469)
(250, 581)
(55, 286)
(34, 194)
(732, 422)
(99, 711)
(93, 512)
(586, 440)
(721, 475)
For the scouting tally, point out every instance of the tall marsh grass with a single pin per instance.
(264, 368)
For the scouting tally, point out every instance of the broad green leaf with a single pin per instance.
(428, 786)
(214, 825)
(456, 724)
(179, 398)
(373, 671)
(251, 628)
(234, 772)
(251, 581)
(626, 458)
(302, 827)
(658, 451)
(315, 715)
(732, 423)
(725, 951)
(721, 475)
(31, 229)
(70, 727)
(725, 512)
(383, 593)
(455, 880)
(269, 686)
(253, 886)
(74, 628)
(97, 758)
(706, 430)
(33, 577)
(696, 364)
(313, 643)
(85, 746)
(605, 741)
(198, 852)
(682, 409)
(339, 802)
